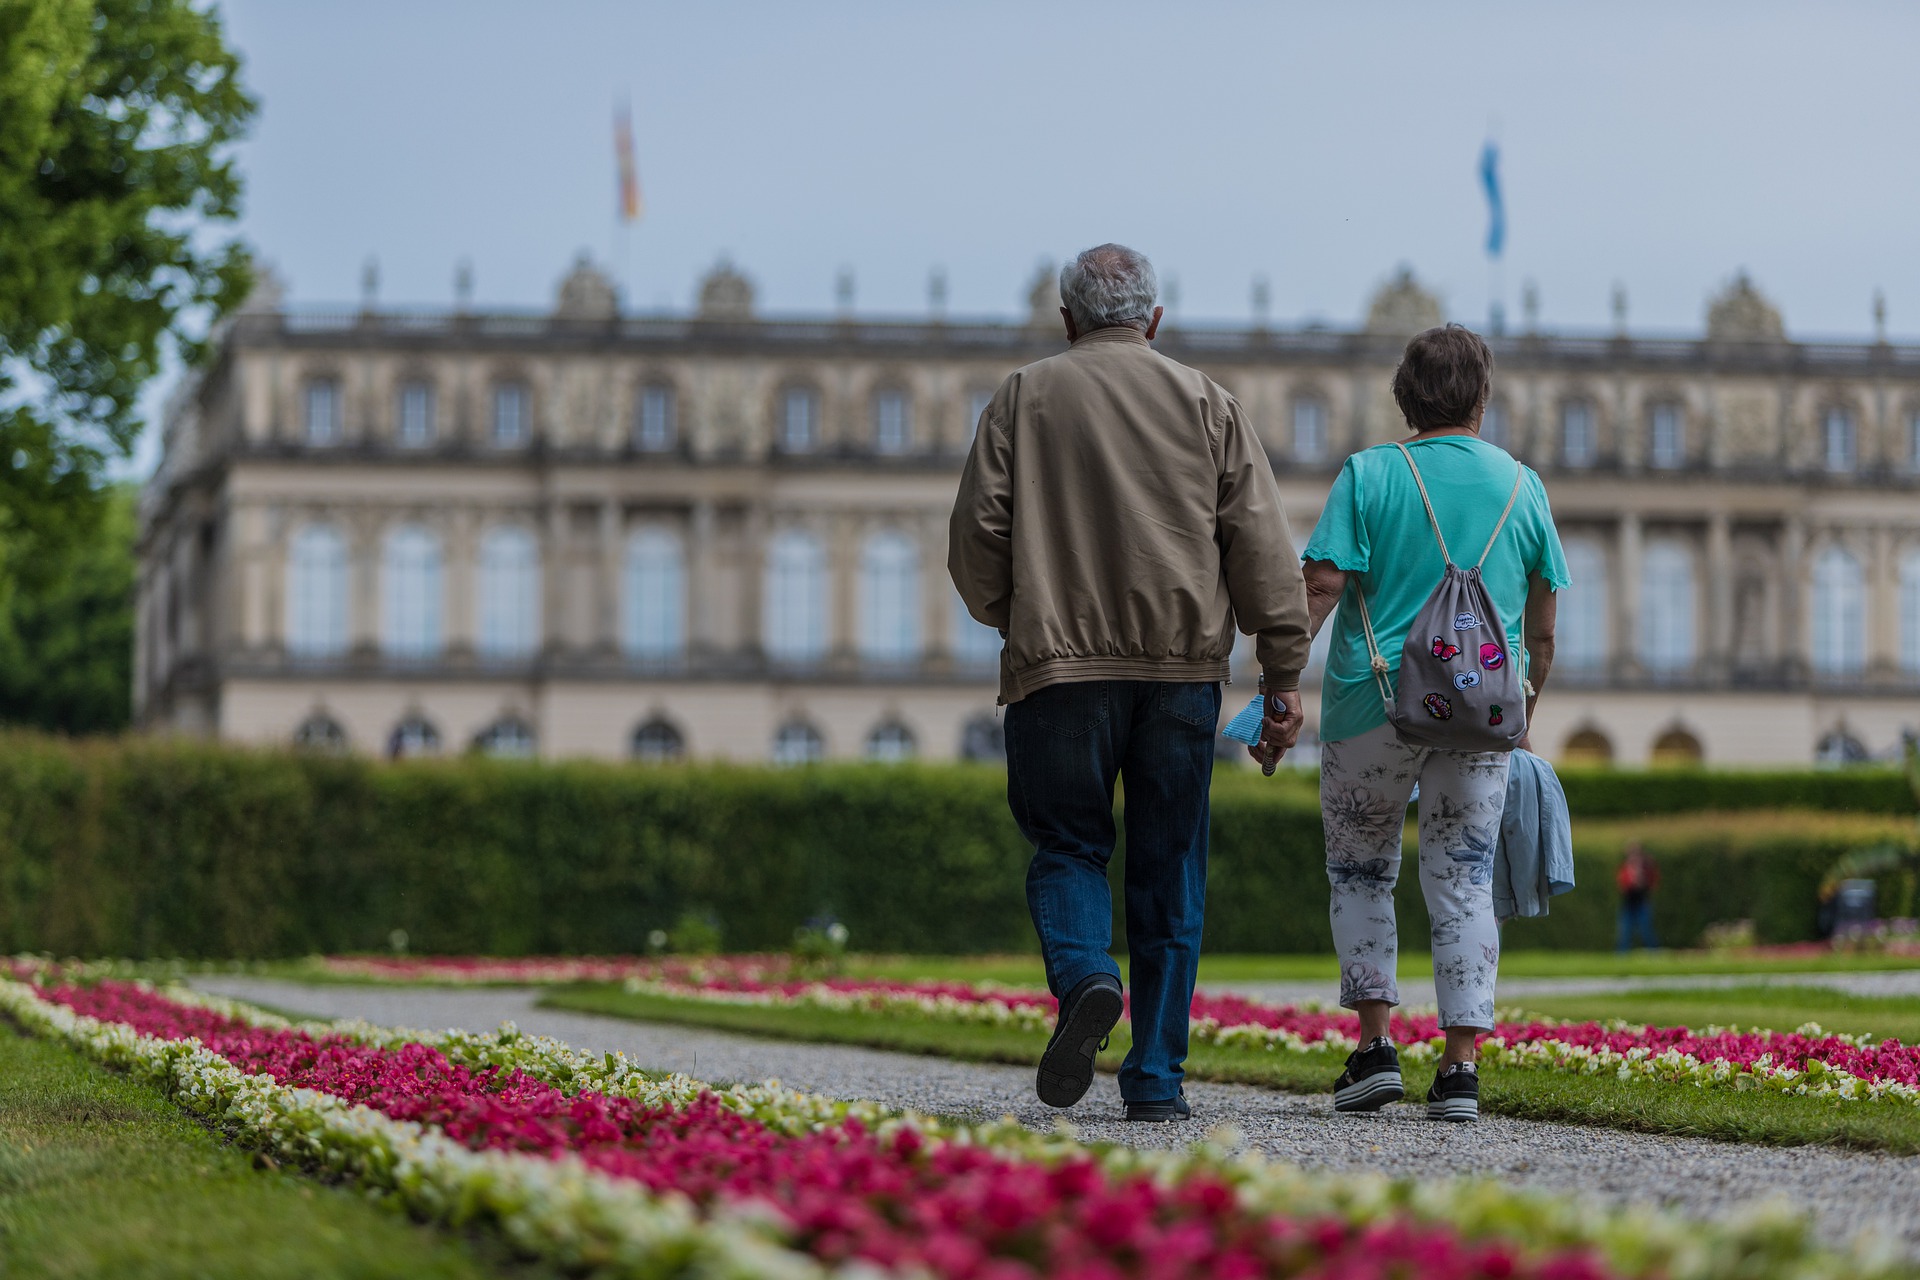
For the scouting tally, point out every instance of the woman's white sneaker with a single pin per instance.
(1455, 1094)
(1372, 1078)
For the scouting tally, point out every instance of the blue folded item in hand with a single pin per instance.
(1245, 727)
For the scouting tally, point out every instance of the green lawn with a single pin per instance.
(1639, 1105)
(100, 1176)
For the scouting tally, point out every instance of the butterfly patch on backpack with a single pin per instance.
(1444, 651)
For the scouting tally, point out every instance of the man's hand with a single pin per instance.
(1279, 729)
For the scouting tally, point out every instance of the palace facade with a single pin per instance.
(722, 535)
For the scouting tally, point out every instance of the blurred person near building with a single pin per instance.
(1637, 878)
(1117, 520)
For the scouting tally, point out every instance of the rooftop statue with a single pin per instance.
(1043, 298)
(1741, 313)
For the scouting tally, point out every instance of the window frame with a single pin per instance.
(1313, 408)
(1589, 412)
(488, 607)
(901, 399)
(1675, 457)
(656, 391)
(409, 390)
(1842, 415)
(649, 634)
(790, 394)
(515, 389)
(330, 384)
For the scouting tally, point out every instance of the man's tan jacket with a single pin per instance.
(1117, 517)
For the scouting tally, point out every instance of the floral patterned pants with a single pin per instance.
(1365, 783)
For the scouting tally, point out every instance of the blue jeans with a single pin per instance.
(1636, 919)
(1065, 746)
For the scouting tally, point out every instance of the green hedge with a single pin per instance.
(1620, 793)
(147, 848)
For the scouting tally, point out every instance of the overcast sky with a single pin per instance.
(1662, 146)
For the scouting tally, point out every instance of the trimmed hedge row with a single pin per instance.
(145, 848)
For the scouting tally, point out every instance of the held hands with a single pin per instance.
(1279, 729)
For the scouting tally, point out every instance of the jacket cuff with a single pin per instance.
(1281, 681)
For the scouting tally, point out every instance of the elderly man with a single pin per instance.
(1117, 517)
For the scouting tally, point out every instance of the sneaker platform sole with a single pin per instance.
(1454, 1110)
(1371, 1094)
(1066, 1068)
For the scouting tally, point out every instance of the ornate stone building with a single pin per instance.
(721, 535)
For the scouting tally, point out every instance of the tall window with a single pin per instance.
(1579, 436)
(1666, 608)
(799, 419)
(410, 593)
(890, 743)
(1913, 440)
(509, 593)
(892, 421)
(1839, 613)
(1583, 618)
(416, 414)
(510, 417)
(795, 611)
(1495, 427)
(798, 742)
(317, 593)
(654, 596)
(980, 397)
(1838, 449)
(1309, 430)
(1910, 612)
(975, 644)
(890, 598)
(657, 742)
(654, 425)
(1666, 438)
(323, 411)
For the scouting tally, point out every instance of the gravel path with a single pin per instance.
(1418, 990)
(1847, 1191)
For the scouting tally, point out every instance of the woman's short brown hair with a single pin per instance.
(1443, 378)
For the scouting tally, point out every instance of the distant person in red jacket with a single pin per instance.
(1638, 875)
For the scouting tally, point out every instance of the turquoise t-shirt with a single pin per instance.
(1375, 528)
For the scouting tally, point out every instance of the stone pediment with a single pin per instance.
(1741, 313)
(586, 293)
(1402, 307)
(725, 294)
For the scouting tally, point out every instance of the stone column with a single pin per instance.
(606, 604)
(843, 590)
(1793, 599)
(364, 581)
(1719, 596)
(1626, 595)
(553, 575)
(462, 591)
(702, 566)
(937, 602)
(1883, 605)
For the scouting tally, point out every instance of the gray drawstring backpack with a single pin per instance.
(1460, 688)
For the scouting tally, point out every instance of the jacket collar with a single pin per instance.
(1112, 333)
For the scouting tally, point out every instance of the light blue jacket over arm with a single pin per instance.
(1534, 860)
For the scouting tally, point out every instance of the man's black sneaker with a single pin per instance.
(1086, 1016)
(1455, 1094)
(1174, 1108)
(1372, 1078)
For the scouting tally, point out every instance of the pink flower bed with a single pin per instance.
(900, 1203)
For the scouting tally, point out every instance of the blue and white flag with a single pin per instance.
(1496, 211)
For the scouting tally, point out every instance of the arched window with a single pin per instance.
(892, 421)
(1666, 608)
(1910, 612)
(975, 644)
(658, 742)
(1309, 429)
(796, 598)
(317, 593)
(1666, 438)
(1839, 613)
(323, 411)
(1495, 426)
(1841, 748)
(1676, 748)
(1587, 746)
(799, 419)
(511, 419)
(983, 739)
(653, 598)
(890, 598)
(508, 738)
(410, 593)
(416, 414)
(509, 593)
(798, 742)
(1581, 623)
(321, 733)
(890, 743)
(412, 737)
(655, 427)
(1838, 449)
(1579, 436)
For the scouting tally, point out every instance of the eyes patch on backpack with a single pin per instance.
(1465, 621)
(1445, 651)
(1492, 657)
(1465, 679)
(1438, 707)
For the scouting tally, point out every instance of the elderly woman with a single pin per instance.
(1377, 550)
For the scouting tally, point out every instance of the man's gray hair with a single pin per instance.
(1109, 285)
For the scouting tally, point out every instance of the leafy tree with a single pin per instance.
(117, 121)
(66, 647)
